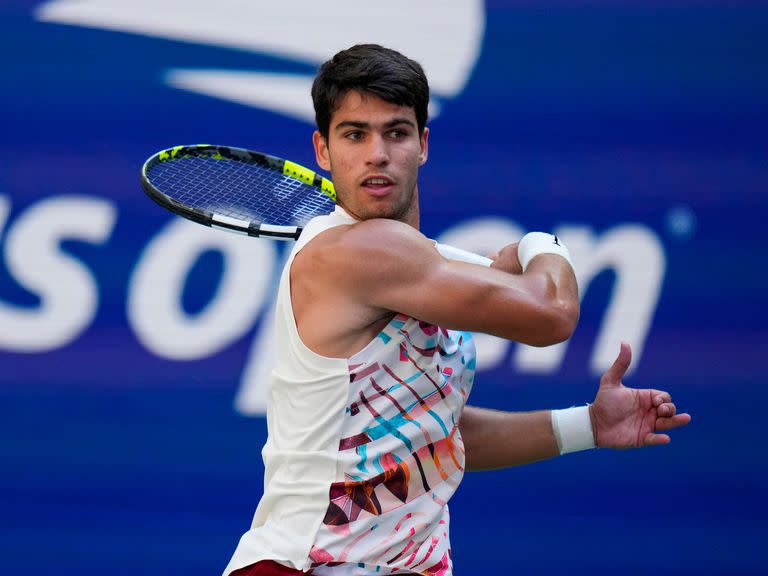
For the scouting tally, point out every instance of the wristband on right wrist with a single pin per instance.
(535, 243)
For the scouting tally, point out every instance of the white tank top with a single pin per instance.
(363, 453)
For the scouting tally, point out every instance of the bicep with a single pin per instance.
(400, 270)
(461, 296)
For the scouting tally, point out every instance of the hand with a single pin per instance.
(507, 260)
(629, 418)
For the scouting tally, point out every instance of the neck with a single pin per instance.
(412, 216)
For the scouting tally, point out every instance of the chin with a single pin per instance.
(389, 208)
(389, 212)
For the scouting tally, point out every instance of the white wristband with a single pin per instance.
(535, 243)
(573, 429)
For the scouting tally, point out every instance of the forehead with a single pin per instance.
(357, 106)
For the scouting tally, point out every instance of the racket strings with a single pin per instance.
(245, 191)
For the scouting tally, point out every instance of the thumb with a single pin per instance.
(612, 377)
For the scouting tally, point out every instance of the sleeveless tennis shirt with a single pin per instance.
(363, 453)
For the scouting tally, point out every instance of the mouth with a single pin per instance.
(378, 185)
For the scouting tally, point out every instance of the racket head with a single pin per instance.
(237, 190)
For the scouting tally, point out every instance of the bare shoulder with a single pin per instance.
(367, 250)
(380, 234)
(339, 278)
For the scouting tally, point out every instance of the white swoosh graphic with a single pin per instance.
(444, 36)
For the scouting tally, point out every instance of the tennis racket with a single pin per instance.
(246, 192)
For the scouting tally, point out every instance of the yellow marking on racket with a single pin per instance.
(169, 154)
(327, 187)
(299, 172)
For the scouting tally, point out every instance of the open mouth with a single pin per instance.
(378, 185)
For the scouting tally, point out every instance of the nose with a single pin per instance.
(378, 153)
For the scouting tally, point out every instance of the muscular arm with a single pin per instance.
(494, 439)
(397, 269)
(621, 417)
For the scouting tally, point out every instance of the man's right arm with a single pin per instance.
(396, 268)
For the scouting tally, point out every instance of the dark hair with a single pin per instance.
(371, 69)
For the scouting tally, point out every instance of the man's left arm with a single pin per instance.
(620, 417)
(495, 439)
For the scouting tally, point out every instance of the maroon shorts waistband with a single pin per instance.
(266, 568)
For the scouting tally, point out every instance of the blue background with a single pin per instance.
(117, 461)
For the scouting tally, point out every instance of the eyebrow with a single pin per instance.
(366, 125)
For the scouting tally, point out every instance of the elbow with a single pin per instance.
(557, 323)
(567, 313)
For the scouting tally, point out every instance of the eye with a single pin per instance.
(354, 135)
(398, 133)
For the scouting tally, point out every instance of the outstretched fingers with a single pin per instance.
(676, 421)
(656, 439)
(667, 417)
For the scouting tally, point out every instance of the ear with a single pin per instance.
(424, 147)
(321, 151)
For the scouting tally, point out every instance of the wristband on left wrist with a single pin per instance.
(573, 429)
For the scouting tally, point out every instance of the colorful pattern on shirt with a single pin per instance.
(400, 453)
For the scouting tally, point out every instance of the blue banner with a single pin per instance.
(135, 346)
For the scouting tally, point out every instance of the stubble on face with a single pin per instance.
(371, 138)
(404, 208)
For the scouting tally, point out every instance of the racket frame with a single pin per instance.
(224, 222)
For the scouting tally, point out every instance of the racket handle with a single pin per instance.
(452, 253)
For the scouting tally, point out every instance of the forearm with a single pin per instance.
(494, 439)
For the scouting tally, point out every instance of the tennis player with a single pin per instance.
(369, 432)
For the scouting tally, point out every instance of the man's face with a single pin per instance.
(373, 152)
